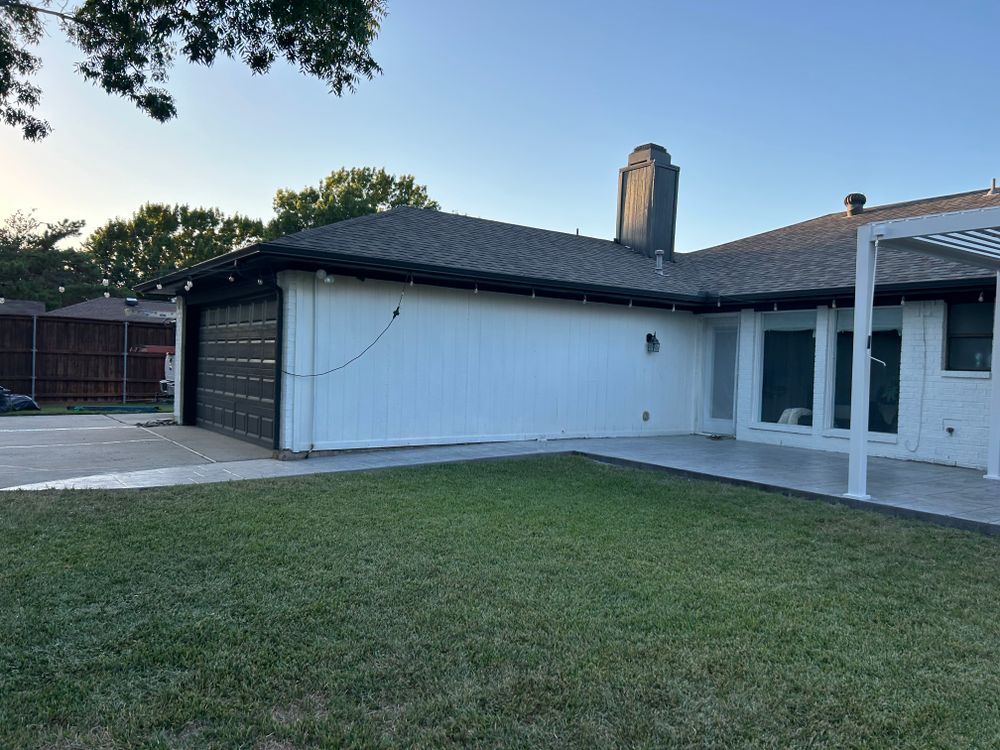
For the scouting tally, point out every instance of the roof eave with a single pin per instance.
(427, 272)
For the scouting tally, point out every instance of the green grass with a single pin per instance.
(549, 602)
(62, 409)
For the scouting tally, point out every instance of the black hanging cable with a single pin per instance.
(359, 355)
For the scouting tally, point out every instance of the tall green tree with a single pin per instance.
(344, 194)
(130, 45)
(33, 267)
(160, 238)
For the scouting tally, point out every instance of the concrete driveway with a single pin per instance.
(44, 448)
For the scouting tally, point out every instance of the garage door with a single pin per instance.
(237, 368)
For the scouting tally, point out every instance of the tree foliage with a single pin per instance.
(160, 238)
(345, 194)
(130, 45)
(33, 267)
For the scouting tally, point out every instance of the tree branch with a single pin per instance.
(46, 11)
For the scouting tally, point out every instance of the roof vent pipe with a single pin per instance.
(659, 262)
(994, 190)
(855, 203)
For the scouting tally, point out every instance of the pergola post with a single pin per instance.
(993, 452)
(864, 287)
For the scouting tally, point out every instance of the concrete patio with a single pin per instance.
(941, 494)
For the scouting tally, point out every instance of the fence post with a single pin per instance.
(34, 352)
(125, 367)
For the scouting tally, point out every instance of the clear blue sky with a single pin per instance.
(524, 111)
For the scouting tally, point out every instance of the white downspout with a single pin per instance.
(993, 452)
(864, 297)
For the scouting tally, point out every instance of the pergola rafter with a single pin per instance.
(970, 237)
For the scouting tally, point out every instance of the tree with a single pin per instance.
(33, 267)
(159, 238)
(130, 45)
(345, 194)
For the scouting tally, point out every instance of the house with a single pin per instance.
(119, 309)
(21, 307)
(507, 332)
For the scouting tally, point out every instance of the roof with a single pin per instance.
(116, 308)
(22, 307)
(804, 259)
(820, 253)
(416, 237)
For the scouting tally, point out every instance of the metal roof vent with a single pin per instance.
(855, 203)
(131, 301)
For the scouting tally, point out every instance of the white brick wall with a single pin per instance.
(931, 399)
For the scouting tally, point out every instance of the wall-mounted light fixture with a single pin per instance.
(652, 343)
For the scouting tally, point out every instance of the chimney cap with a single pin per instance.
(649, 152)
(855, 203)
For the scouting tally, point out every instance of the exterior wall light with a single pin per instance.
(652, 343)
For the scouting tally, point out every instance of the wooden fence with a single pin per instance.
(72, 359)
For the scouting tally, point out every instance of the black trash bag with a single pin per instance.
(16, 402)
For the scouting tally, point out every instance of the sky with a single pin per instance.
(524, 111)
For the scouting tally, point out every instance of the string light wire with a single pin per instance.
(359, 355)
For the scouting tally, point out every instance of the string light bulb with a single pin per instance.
(105, 281)
(107, 295)
(231, 278)
(980, 296)
(159, 286)
(62, 289)
(3, 300)
(476, 289)
(585, 299)
(902, 301)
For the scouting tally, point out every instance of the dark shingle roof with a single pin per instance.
(805, 259)
(479, 246)
(22, 307)
(115, 308)
(820, 253)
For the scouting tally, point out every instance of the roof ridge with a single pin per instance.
(343, 222)
(832, 214)
(536, 229)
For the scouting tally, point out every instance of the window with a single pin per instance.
(883, 404)
(788, 368)
(970, 336)
(883, 400)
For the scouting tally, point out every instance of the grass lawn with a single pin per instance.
(63, 409)
(548, 602)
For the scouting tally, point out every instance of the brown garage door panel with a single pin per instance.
(237, 368)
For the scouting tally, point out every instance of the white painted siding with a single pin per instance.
(463, 367)
(931, 399)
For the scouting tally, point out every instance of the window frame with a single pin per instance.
(782, 320)
(946, 338)
(884, 318)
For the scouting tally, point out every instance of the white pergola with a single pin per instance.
(971, 237)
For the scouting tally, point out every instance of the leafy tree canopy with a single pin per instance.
(33, 267)
(344, 194)
(159, 238)
(130, 45)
